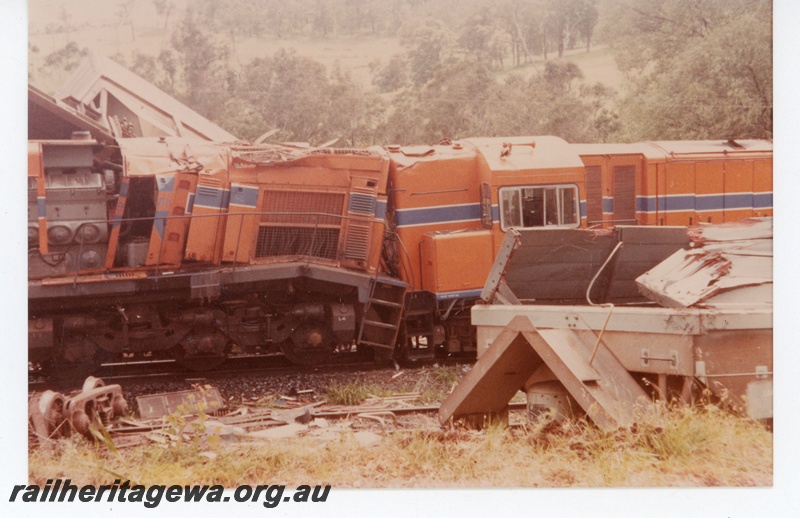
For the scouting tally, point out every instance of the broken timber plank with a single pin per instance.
(496, 376)
(604, 389)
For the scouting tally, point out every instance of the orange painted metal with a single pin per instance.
(455, 261)
(116, 222)
(36, 170)
(172, 222)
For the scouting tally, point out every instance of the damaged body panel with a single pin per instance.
(593, 351)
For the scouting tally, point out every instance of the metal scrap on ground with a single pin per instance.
(52, 415)
(183, 415)
(186, 402)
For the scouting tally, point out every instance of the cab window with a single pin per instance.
(539, 206)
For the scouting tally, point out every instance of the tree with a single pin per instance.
(32, 49)
(201, 66)
(125, 15)
(429, 43)
(392, 76)
(322, 19)
(296, 95)
(693, 74)
(65, 59)
(352, 115)
(464, 99)
(564, 19)
(164, 8)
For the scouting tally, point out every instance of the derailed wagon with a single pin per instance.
(596, 345)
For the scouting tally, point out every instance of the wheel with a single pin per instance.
(309, 344)
(53, 423)
(75, 358)
(201, 350)
(92, 383)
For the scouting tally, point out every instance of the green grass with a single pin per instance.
(677, 447)
(353, 393)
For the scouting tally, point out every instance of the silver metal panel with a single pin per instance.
(645, 320)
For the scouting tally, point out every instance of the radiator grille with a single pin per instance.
(313, 242)
(362, 203)
(310, 208)
(357, 242)
(625, 194)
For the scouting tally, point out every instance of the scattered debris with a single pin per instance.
(186, 402)
(53, 415)
(298, 414)
(279, 432)
(378, 417)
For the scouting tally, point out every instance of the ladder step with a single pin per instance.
(419, 331)
(376, 344)
(388, 303)
(379, 324)
(418, 354)
(416, 312)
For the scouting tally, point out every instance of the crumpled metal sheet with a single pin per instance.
(731, 265)
(741, 231)
(152, 156)
(153, 112)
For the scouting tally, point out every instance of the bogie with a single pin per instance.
(233, 249)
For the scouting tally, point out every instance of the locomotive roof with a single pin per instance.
(677, 148)
(731, 146)
(526, 153)
(147, 156)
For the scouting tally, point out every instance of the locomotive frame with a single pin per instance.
(164, 247)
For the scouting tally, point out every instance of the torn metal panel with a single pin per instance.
(50, 119)
(152, 156)
(185, 402)
(129, 106)
(744, 230)
(730, 257)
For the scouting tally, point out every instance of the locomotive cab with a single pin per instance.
(453, 204)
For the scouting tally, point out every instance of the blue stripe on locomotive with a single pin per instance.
(703, 202)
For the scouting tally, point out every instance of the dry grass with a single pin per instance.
(681, 447)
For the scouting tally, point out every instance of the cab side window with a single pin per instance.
(539, 206)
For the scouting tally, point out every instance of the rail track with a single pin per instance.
(165, 372)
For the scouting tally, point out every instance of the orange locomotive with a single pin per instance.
(451, 204)
(206, 250)
(194, 250)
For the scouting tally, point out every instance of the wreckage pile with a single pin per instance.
(202, 412)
